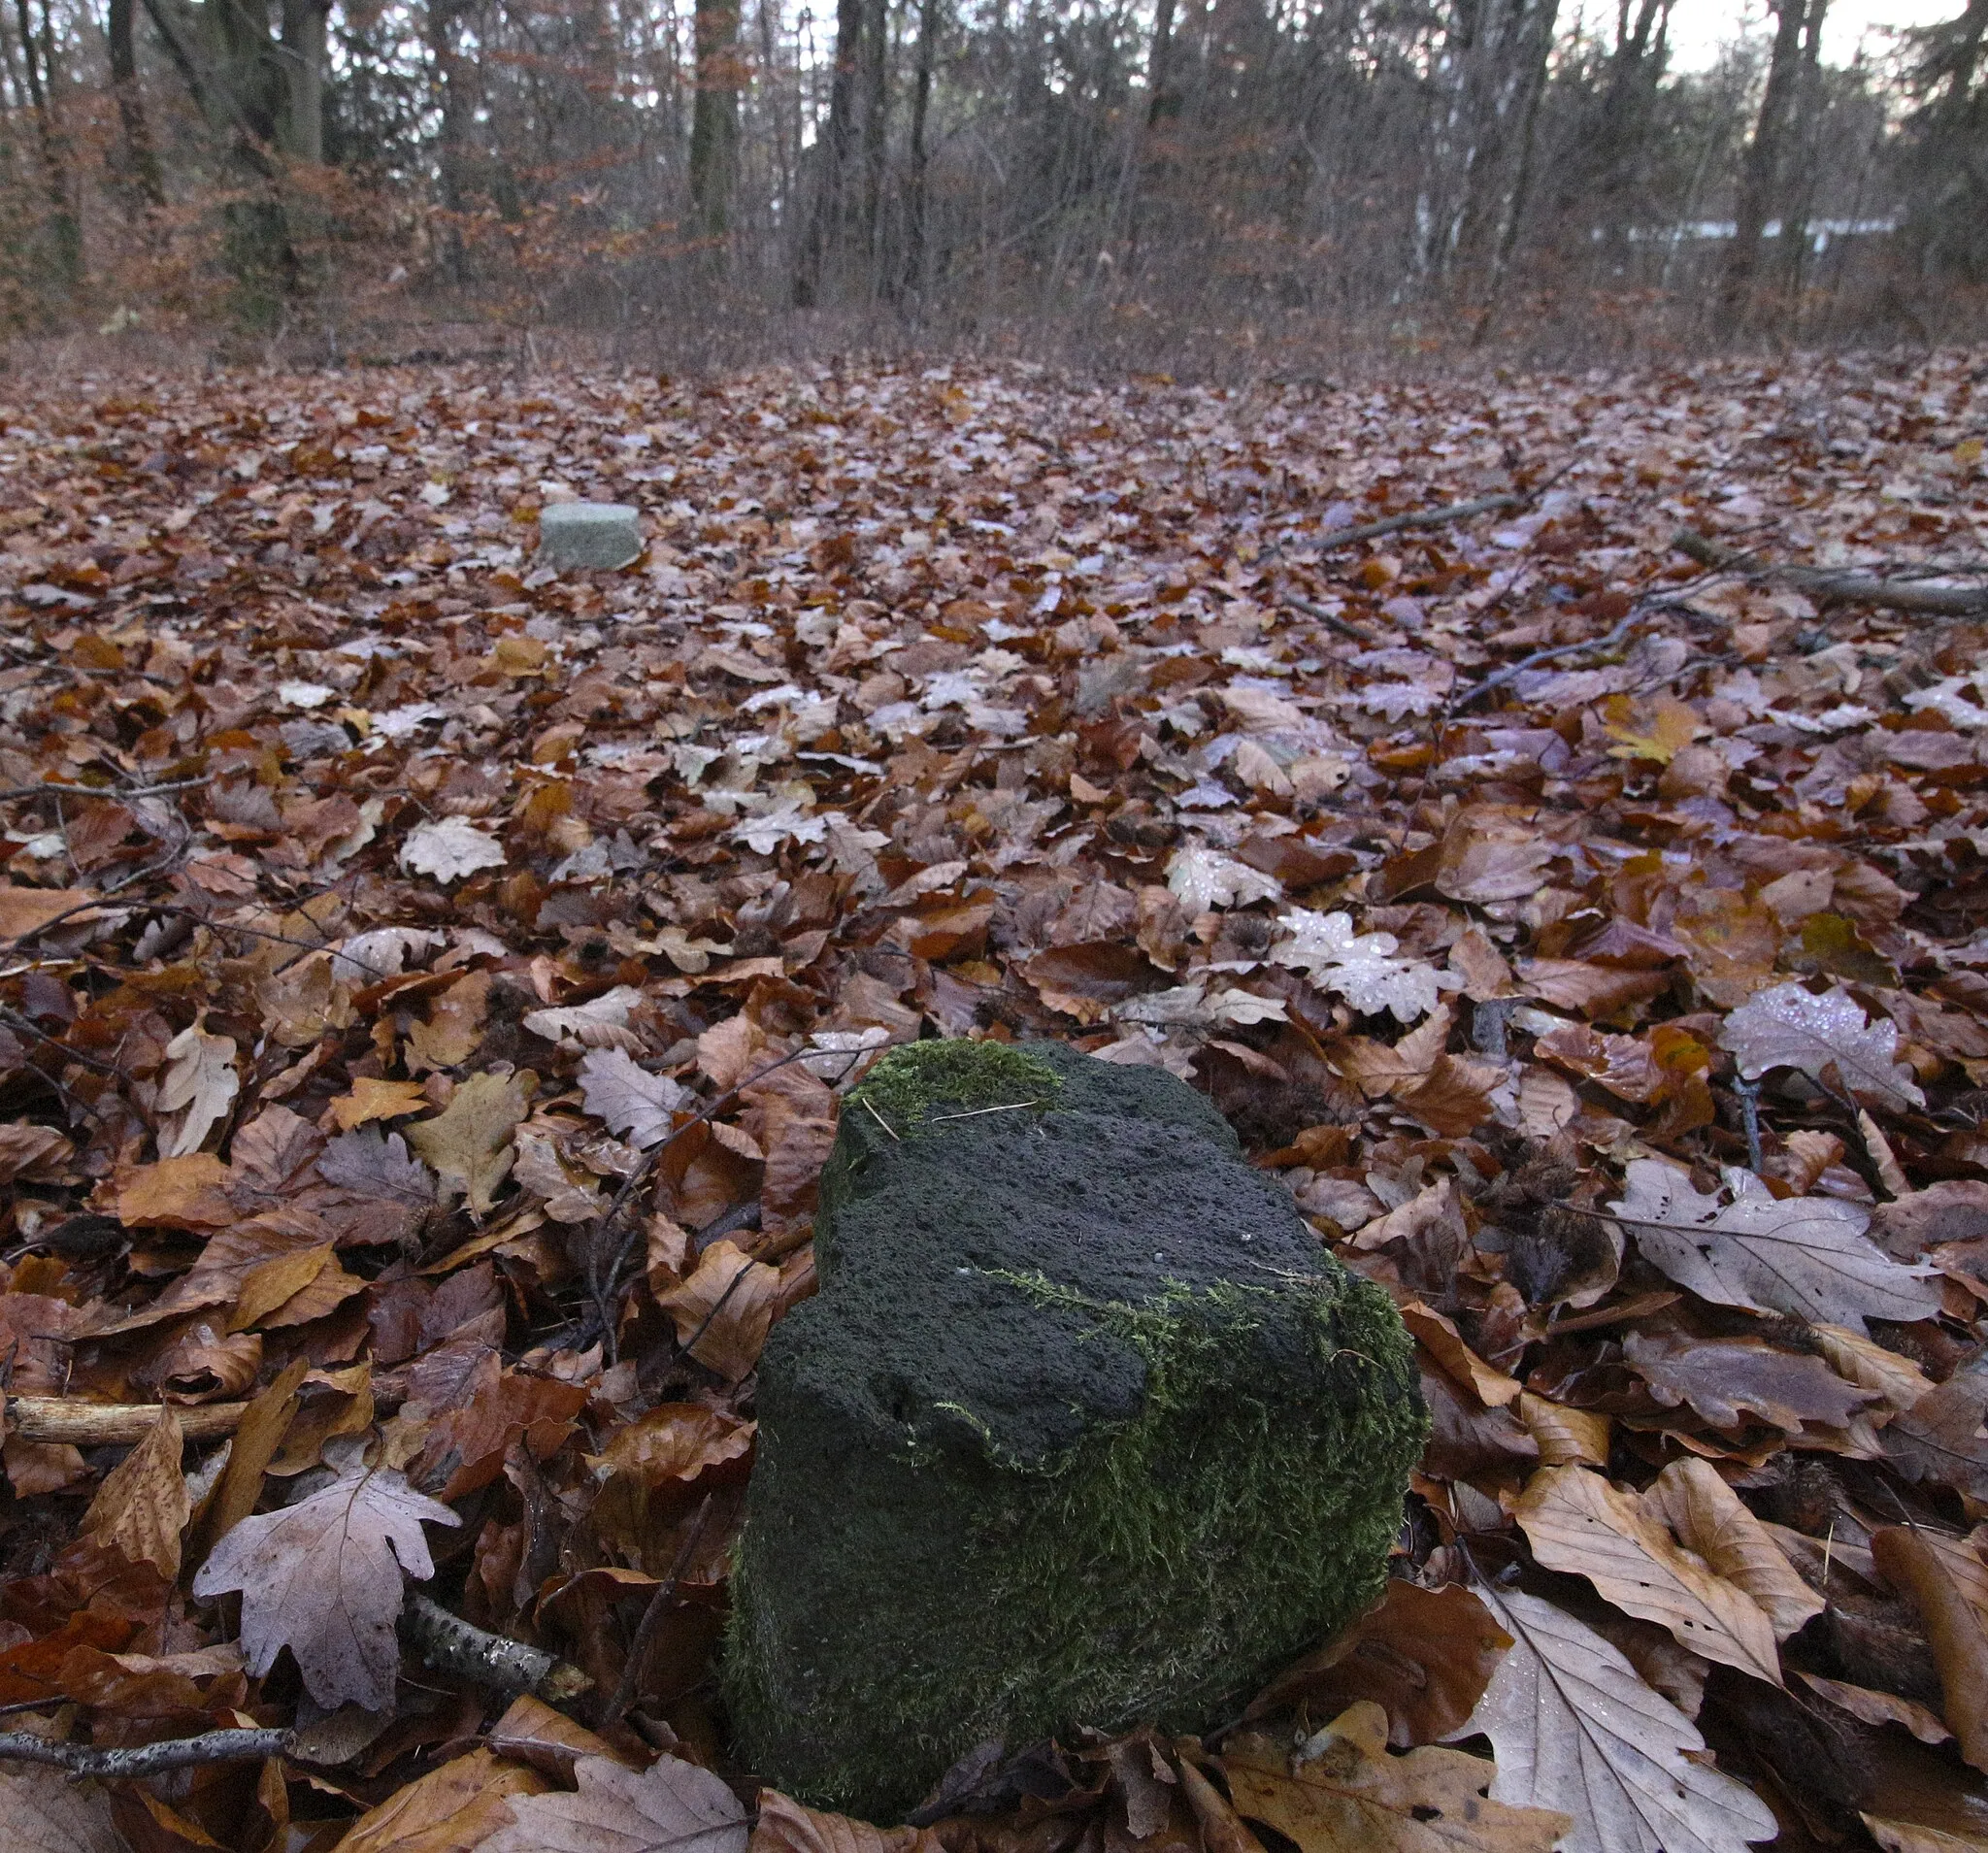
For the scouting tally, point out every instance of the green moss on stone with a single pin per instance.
(966, 1077)
(1084, 1429)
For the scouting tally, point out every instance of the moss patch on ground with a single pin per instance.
(1085, 1428)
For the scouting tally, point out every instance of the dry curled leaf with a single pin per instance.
(1576, 1522)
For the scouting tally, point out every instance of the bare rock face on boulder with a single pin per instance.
(1085, 1428)
(583, 536)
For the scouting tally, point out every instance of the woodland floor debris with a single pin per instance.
(431, 985)
(1081, 1425)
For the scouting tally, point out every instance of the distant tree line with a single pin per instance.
(1426, 172)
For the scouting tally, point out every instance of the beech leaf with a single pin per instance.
(672, 1806)
(1576, 1728)
(1576, 1522)
(1344, 1790)
(1806, 1255)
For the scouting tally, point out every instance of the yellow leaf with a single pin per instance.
(1675, 728)
(371, 1099)
(469, 1143)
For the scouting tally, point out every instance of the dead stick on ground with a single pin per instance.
(147, 1759)
(61, 1418)
(626, 1688)
(1850, 588)
(451, 1645)
(1421, 518)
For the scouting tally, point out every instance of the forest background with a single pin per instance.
(1196, 185)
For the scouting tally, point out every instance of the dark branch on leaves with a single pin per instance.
(1422, 519)
(1835, 587)
(147, 1759)
(626, 1687)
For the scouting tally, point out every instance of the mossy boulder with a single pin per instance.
(1085, 1428)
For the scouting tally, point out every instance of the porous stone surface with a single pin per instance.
(1084, 1428)
(575, 536)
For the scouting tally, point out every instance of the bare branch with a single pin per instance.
(147, 1759)
(1832, 587)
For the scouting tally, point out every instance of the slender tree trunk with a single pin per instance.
(140, 159)
(714, 119)
(1760, 175)
(919, 205)
(876, 128)
(65, 236)
(444, 62)
(1521, 181)
(827, 211)
(301, 127)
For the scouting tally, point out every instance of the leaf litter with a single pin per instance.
(429, 986)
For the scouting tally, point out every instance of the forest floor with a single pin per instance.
(403, 950)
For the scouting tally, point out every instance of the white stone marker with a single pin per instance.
(588, 536)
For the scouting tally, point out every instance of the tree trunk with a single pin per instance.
(714, 119)
(918, 205)
(141, 160)
(875, 125)
(301, 127)
(828, 210)
(1760, 174)
(65, 234)
(450, 161)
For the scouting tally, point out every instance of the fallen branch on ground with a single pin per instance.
(1332, 621)
(451, 1645)
(138, 1760)
(61, 1418)
(1421, 518)
(1512, 670)
(1831, 587)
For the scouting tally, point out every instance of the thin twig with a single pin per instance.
(1424, 519)
(625, 1689)
(1332, 621)
(1850, 588)
(1513, 671)
(116, 792)
(147, 1759)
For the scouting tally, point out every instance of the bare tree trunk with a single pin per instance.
(65, 234)
(450, 160)
(300, 129)
(714, 119)
(827, 211)
(876, 124)
(141, 160)
(1760, 175)
(918, 205)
